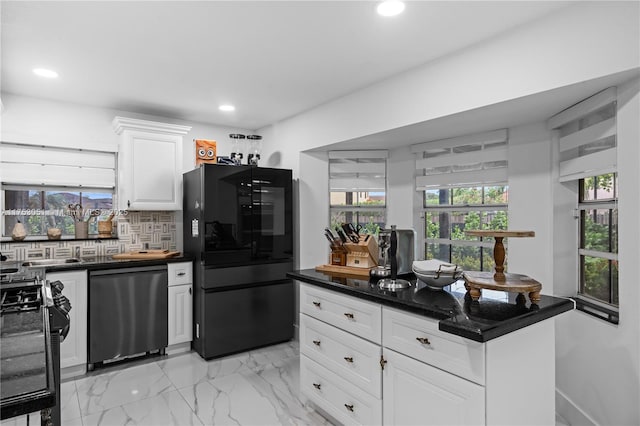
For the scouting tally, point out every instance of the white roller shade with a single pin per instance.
(357, 171)
(587, 137)
(53, 166)
(471, 160)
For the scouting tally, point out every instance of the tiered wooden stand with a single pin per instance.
(515, 283)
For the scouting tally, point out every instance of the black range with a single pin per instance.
(495, 314)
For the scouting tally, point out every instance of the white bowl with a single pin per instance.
(436, 274)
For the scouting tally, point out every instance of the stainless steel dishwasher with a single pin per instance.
(127, 312)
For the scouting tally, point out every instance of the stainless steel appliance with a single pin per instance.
(405, 252)
(238, 226)
(34, 318)
(127, 312)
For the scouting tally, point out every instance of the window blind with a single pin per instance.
(53, 166)
(587, 137)
(358, 171)
(472, 160)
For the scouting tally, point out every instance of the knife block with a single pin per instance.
(338, 258)
(363, 254)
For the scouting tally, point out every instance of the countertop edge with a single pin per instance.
(108, 263)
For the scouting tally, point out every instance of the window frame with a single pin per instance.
(354, 212)
(595, 306)
(5, 233)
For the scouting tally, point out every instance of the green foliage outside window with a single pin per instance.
(448, 222)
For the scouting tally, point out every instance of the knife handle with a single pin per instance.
(343, 237)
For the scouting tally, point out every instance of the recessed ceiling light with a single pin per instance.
(43, 72)
(227, 108)
(390, 8)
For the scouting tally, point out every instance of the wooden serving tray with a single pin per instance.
(146, 254)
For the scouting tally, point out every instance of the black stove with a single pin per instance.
(27, 301)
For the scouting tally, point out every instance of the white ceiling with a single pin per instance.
(271, 59)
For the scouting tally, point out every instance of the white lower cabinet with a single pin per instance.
(73, 350)
(180, 315)
(416, 393)
(364, 363)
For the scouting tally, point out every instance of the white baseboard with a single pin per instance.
(74, 371)
(570, 412)
(178, 348)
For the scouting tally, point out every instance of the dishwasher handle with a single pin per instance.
(128, 270)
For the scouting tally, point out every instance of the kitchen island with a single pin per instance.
(422, 356)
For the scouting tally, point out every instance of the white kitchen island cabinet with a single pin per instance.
(73, 350)
(369, 356)
(149, 164)
(180, 313)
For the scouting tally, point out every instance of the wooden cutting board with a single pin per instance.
(147, 254)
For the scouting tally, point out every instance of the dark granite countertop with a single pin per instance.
(26, 363)
(495, 314)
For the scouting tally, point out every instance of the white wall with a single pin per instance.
(530, 203)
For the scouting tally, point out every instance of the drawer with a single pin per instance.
(350, 357)
(345, 402)
(360, 317)
(180, 273)
(418, 337)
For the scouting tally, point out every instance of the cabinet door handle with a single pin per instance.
(128, 203)
(316, 304)
(348, 315)
(317, 385)
(316, 342)
(348, 358)
(189, 290)
(423, 340)
(382, 362)
(181, 274)
(349, 407)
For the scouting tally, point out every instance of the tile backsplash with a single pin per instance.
(138, 230)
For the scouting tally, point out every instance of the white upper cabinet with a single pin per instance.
(149, 164)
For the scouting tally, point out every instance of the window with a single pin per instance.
(464, 184)
(357, 185)
(39, 183)
(41, 208)
(587, 146)
(598, 248)
(449, 212)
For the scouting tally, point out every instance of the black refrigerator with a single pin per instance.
(238, 226)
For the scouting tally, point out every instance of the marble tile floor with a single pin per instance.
(259, 387)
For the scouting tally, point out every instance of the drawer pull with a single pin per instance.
(349, 407)
(316, 304)
(316, 342)
(317, 386)
(348, 359)
(181, 274)
(423, 340)
(348, 315)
